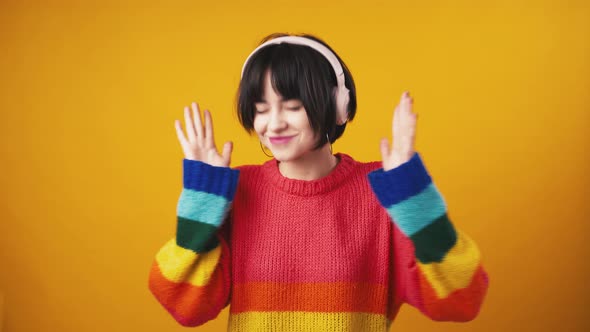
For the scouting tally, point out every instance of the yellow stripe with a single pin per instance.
(457, 268)
(179, 264)
(279, 321)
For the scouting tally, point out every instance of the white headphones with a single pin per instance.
(341, 92)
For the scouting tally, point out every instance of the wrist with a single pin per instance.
(398, 158)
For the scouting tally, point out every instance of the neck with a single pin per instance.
(312, 166)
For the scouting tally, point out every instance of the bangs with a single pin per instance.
(283, 72)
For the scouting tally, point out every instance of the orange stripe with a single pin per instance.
(317, 297)
(189, 304)
(461, 305)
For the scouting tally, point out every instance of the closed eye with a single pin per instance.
(260, 107)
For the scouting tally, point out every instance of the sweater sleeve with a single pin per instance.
(437, 266)
(190, 275)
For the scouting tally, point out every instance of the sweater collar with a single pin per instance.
(310, 187)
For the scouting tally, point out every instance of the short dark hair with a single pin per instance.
(297, 72)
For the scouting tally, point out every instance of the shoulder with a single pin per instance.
(250, 172)
(248, 168)
(250, 180)
(363, 167)
(370, 166)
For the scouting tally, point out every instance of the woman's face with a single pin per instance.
(282, 125)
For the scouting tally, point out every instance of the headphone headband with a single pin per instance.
(341, 92)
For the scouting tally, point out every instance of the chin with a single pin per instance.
(282, 157)
(285, 156)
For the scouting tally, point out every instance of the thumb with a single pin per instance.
(384, 146)
(227, 149)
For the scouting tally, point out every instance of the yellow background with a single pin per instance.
(91, 166)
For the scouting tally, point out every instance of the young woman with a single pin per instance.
(310, 240)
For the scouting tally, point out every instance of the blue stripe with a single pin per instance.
(202, 206)
(199, 176)
(419, 211)
(400, 183)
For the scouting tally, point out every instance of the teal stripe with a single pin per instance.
(433, 242)
(201, 206)
(195, 235)
(418, 211)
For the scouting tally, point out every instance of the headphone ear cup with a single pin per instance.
(335, 94)
(342, 98)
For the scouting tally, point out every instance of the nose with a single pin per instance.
(276, 122)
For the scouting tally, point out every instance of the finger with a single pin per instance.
(405, 102)
(209, 139)
(410, 102)
(179, 133)
(384, 147)
(411, 105)
(402, 97)
(227, 149)
(395, 118)
(197, 118)
(188, 123)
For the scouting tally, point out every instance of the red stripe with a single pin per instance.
(192, 305)
(460, 305)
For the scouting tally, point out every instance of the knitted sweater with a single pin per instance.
(340, 253)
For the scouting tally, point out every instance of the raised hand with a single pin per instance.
(200, 144)
(404, 133)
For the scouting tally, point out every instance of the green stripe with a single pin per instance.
(195, 235)
(434, 241)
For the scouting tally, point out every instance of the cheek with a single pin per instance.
(300, 120)
(258, 126)
(304, 125)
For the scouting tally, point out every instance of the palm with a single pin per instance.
(199, 143)
(404, 133)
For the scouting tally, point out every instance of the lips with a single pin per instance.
(280, 139)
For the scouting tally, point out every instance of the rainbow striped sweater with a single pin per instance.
(340, 253)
